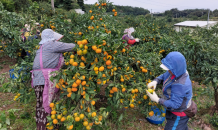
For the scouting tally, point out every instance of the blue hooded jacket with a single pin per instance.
(177, 88)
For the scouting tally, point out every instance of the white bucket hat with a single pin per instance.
(129, 31)
(164, 67)
(49, 35)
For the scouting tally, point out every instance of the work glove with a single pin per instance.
(153, 96)
(152, 84)
(136, 40)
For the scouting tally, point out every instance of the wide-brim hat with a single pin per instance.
(50, 35)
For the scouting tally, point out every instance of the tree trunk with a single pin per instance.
(216, 97)
(52, 5)
(214, 108)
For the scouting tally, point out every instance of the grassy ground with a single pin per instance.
(132, 119)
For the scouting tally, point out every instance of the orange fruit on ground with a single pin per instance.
(114, 89)
(151, 113)
(74, 89)
(131, 105)
(55, 121)
(78, 81)
(85, 123)
(94, 47)
(53, 112)
(101, 68)
(75, 64)
(51, 105)
(93, 103)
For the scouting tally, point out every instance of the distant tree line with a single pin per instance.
(189, 13)
(124, 10)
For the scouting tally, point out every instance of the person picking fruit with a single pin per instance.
(129, 38)
(177, 91)
(48, 59)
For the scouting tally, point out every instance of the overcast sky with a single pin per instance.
(162, 5)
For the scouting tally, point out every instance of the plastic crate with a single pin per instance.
(156, 118)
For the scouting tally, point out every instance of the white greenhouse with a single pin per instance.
(193, 24)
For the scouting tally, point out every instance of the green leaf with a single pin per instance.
(73, 95)
(121, 117)
(8, 121)
(87, 97)
(108, 109)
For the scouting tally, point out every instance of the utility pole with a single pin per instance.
(208, 17)
(151, 14)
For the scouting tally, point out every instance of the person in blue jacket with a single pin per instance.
(177, 91)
